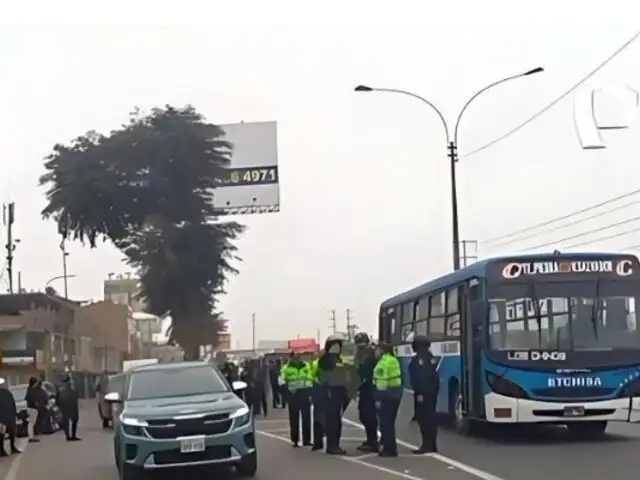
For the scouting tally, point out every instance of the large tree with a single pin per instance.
(147, 187)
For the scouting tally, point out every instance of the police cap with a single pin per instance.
(361, 338)
(421, 341)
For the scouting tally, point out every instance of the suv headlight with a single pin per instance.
(241, 417)
(133, 426)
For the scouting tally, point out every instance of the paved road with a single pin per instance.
(534, 454)
(92, 459)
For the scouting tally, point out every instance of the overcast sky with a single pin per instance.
(364, 179)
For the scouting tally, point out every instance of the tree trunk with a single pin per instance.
(187, 335)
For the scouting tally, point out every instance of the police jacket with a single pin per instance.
(423, 375)
(329, 370)
(387, 377)
(366, 363)
(296, 375)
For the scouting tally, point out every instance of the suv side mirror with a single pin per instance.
(238, 385)
(113, 397)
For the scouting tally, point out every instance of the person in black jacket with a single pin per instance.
(34, 407)
(425, 384)
(69, 408)
(277, 392)
(366, 363)
(8, 417)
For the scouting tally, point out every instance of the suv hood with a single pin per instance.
(186, 405)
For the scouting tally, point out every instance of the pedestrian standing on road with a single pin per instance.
(333, 378)
(366, 362)
(69, 408)
(319, 400)
(8, 417)
(297, 378)
(276, 394)
(34, 400)
(425, 384)
(387, 379)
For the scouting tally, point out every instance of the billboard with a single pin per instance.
(252, 181)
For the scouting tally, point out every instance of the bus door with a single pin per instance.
(386, 324)
(472, 312)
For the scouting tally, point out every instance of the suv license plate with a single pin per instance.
(573, 412)
(192, 444)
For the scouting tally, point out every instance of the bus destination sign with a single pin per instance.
(617, 267)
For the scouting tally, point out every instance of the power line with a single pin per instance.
(570, 224)
(557, 100)
(608, 237)
(580, 235)
(563, 217)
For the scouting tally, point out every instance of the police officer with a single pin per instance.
(424, 382)
(366, 362)
(319, 399)
(69, 407)
(333, 378)
(387, 379)
(297, 379)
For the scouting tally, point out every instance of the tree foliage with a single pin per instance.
(147, 188)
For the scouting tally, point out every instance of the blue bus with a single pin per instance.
(544, 338)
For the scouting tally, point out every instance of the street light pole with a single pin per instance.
(452, 146)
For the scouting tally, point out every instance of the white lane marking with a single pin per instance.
(277, 431)
(356, 460)
(12, 474)
(366, 455)
(444, 459)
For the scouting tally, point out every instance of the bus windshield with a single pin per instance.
(560, 315)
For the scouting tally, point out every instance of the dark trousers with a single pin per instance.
(69, 425)
(318, 424)
(257, 400)
(333, 416)
(428, 423)
(300, 409)
(277, 397)
(416, 406)
(368, 417)
(387, 413)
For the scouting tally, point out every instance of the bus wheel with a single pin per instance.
(461, 424)
(587, 430)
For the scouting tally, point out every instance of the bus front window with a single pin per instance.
(596, 315)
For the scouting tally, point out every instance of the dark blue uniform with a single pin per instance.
(366, 361)
(425, 382)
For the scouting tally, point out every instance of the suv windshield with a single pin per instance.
(175, 382)
(594, 315)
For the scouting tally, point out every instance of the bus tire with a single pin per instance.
(587, 430)
(460, 424)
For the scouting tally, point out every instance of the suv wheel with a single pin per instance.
(248, 466)
(129, 472)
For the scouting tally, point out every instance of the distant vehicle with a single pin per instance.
(545, 338)
(181, 414)
(49, 425)
(129, 364)
(108, 383)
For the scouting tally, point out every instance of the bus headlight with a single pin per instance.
(502, 386)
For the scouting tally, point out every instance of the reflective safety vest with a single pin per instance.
(387, 373)
(338, 377)
(296, 378)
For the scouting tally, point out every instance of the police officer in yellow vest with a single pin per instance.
(296, 377)
(330, 394)
(387, 379)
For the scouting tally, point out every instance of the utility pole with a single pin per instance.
(333, 325)
(469, 252)
(253, 333)
(9, 217)
(348, 313)
(19, 282)
(65, 277)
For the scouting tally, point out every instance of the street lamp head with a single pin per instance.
(363, 88)
(534, 71)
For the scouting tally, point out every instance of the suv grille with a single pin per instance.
(573, 392)
(170, 428)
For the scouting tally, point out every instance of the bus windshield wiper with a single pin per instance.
(536, 308)
(595, 308)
